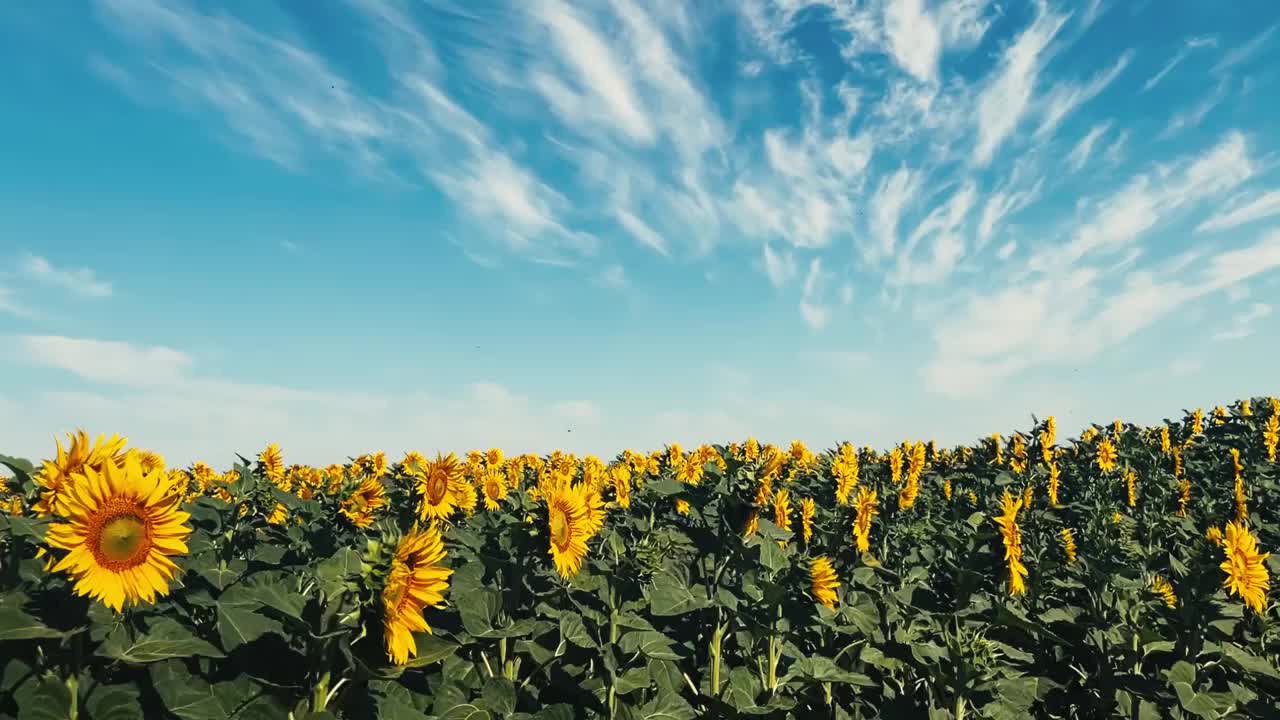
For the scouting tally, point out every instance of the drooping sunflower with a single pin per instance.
(567, 522)
(1055, 483)
(416, 581)
(368, 498)
(494, 487)
(807, 509)
(279, 514)
(782, 509)
(1068, 544)
(1164, 590)
(56, 473)
(620, 474)
(1011, 536)
(1246, 575)
(121, 528)
(866, 505)
(823, 577)
(271, 460)
(442, 488)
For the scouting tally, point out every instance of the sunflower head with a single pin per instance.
(567, 523)
(1246, 573)
(494, 486)
(822, 577)
(121, 527)
(54, 474)
(416, 580)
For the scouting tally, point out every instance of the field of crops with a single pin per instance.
(1122, 573)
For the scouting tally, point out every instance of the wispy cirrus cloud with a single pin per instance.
(1241, 325)
(79, 281)
(1188, 46)
(1260, 207)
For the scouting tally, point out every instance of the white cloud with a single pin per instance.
(643, 234)
(1062, 310)
(80, 281)
(613, 276)
(1246, 51)
(8, 304)
(914, 38)
(779, 267)
(1183, 52)
(1063, 99)
(106, 361)
(1185, 366)
(812, 307)
(1006, 99)
(1241, 325)
(945, 224)
(1262, 206)
(894, 193)
(600, 73)
(1194, 115)
(1079, 155)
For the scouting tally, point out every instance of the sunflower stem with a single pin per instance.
(715, 659)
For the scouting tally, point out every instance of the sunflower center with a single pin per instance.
(492, 489)
(559, 528)
(120, 535)
(437, 487)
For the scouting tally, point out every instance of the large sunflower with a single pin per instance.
(567, 521)
(364, 501)
(417, 581)
(122, 525)
(55, 474)
(442, 488)
(1246, 574)
(824, 580)
(494, 486)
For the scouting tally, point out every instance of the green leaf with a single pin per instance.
(1181, 672)
(188, 697)
(636, 678)
(239, 624)
(465, 711)
(165, 639)
(670, 596)
(431, 649)
(650, 643)
(1247, 661)
(667, 706)
(18, 625)
(26, 527)
(43, 699)
(573, 630)
(114, 702)
(500, 695)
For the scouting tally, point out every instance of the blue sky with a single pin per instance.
(389, 224)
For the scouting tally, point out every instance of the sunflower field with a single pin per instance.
(1121, 573)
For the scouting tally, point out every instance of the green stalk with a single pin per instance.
(73, 688)
(716, 640)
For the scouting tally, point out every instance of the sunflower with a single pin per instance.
(1068, 544)
(493, 457)
(807, 508)
(1055, 483)
(271, 462)
(416, 581)
(1246, 575)
(55, 474)
(824, 581)
(1106, 455)
(494, 487)
(279, 514)
(1271, 437)
(359, 507)
(122, 526)
(442, 488)
(1131, 486)
(594, 505)
(862, 523)
(895, 465)
(1011, 535)
(621, 476)
(752, 524)
(1161, 587)
(567, 521)
(782, 510)
(682, 506)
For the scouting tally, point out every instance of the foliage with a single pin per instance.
(695, 597)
